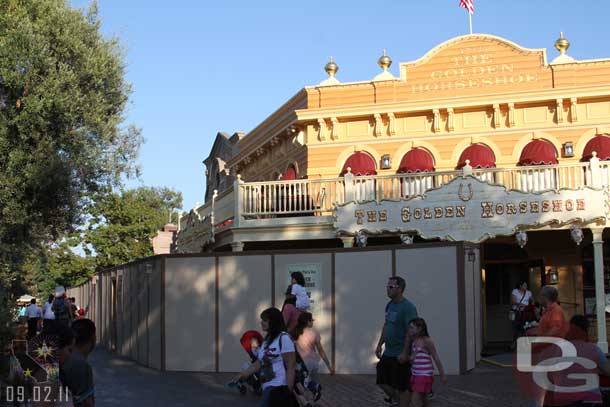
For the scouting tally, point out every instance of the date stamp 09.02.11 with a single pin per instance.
(34, 393)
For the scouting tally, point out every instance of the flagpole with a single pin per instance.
(470, 19)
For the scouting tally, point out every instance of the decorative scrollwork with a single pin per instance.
(361, 239)
(406, 239)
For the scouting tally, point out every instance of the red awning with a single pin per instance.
(360, 164)
(538, 152)
(289, 175)
(600, 144)
(416, 160)
(480, 156)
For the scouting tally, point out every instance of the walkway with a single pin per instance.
(121, 382)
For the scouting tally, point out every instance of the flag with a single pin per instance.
(468, 5)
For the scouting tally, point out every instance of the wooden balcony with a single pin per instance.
(312, 201)
(320, 196)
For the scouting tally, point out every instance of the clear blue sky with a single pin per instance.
(199, 67)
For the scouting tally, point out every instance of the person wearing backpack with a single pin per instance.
(61, 307)
(276, 362)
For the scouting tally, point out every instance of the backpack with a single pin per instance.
(60, 309)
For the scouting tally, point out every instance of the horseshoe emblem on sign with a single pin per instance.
(465, 197)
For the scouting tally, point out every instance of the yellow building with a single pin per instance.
(326, 169)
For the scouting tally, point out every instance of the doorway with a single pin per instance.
(500, 278)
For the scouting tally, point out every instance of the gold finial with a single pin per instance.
(562, 44)
(384, 61)
(331, 68)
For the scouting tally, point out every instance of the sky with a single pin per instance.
(200, 67)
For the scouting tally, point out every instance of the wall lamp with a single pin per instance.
(568, 149)
(553, 275)
(386, 162)
(471, 255)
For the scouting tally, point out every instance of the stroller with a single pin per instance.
(250, 341)
(306, 392)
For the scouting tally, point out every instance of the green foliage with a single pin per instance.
(119, 230)
(122, 225)
(62, 138)
(60, 265)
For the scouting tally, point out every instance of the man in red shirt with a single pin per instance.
(553, 321)
(552, 324)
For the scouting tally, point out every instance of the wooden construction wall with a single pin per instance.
(187, 312)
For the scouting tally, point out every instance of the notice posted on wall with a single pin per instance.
(313, 280)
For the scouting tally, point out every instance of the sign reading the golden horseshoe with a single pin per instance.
(468, 209)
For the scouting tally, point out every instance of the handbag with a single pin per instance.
(514, 313)
(266, 373)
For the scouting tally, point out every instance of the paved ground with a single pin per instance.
(121, 382)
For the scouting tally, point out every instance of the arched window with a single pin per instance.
(480, 156)
(290, 174)
(601, 145)
(360, 163)
(542, 153)
(538, 152)
(416, 160)
(415, 163)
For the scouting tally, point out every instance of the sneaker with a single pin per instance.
(232, 385)
(431, 395)
(317, 395)
(391, 401)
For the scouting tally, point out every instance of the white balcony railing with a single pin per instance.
(319, 197)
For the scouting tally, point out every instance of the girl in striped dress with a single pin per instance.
(423, 352)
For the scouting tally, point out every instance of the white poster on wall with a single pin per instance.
(313, 280)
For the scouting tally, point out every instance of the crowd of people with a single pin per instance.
(62, 326)
(287, 358)
(57, 309)
(407, 355)
(287, 361)
(542, 323)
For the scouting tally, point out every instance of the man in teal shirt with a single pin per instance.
(393, 369)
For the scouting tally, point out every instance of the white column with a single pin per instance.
(348, 183)
(600, 295)
(237, 246)
(348, 241)
(596, 176)
(466, 169)
(237, 201)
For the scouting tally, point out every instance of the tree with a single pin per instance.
(119, 229)
(62, 137)
(58, 264)
(123, 225)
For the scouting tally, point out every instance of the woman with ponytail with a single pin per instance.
(309, 344)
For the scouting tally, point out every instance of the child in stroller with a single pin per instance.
(306, 392)
(251, 342)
